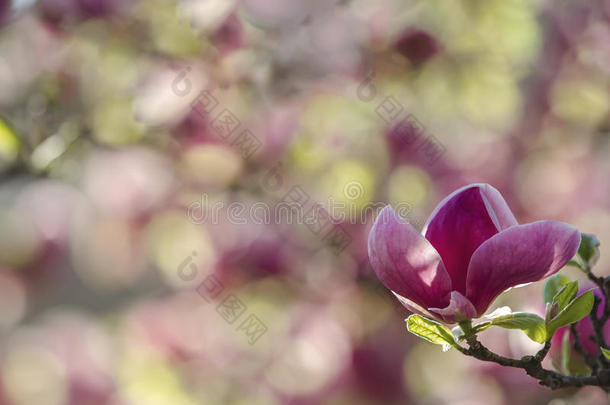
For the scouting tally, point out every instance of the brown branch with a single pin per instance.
(598, 322)
(604, 287)
(533, 367)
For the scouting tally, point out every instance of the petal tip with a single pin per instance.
(450, 197)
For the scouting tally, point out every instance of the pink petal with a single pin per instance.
(413, 307)
(520, 254)
(497, 208)
(406, 263)
(461, 222)
(459, 309)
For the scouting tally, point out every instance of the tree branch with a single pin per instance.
(533, 367)
(599, 322)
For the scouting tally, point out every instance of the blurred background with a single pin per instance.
(186, 189)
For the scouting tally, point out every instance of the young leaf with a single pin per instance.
(566, 295)
(574, 263)
(531, 324)
(482, 326)
(589, 248)
(565, 353)
(550, 312)
(430, 330)
(574, 312)
(606, 352)
(553, 285)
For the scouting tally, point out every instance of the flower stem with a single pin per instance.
(466, 327)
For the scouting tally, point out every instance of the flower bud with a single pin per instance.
(589, 249)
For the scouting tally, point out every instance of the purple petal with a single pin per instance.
(460, 308)
(497, 208)
(406, 263)
(461, 222)
(520, 254)
(413, 307)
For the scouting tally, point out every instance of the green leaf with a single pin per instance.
(589, 248)
(531, 324)
(565, 353)
(430, 330)
(553, 285)
(606, 352)
(574, 263)
(550, 312)
(482, 326)
(574, 312)
(566, 295)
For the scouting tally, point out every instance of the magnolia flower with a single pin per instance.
(470, 250)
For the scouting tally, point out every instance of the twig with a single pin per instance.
(599, 322)
(533, 367)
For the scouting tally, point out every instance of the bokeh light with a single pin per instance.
(187, 187)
